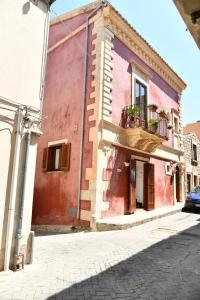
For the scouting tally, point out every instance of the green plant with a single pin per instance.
(133, 111)
(163, 111)
(153, 122)
(169, 126)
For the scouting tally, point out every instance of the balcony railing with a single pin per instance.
(142, 116)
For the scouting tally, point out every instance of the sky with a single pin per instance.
(161, 25)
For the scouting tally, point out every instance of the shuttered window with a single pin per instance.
(56, 158)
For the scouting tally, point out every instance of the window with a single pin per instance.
(195, 180)
(188, 182)
(141, 99)
(176, 129)
(168, 168)
(56, 158)
(194, 152)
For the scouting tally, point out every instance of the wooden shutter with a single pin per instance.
(45, 159)
(65, 157)
(132, 200)
(149, 190)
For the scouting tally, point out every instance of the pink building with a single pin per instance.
(106, 150)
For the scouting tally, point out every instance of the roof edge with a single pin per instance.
(74, 13)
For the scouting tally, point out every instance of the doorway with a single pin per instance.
(141, 185)
(178, 198)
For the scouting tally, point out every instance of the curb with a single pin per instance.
(109, 227)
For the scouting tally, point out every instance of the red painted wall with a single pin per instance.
(160, 92)
(55, 196)
(118, 192)
(163, 184)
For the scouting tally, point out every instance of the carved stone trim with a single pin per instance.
(125, 33)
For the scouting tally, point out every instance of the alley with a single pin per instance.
(156, 260)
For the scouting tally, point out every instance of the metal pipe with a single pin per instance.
(32, 235)
(13, 189)
(102, 4)
(16, 104)
(22, 193)
(44, 61)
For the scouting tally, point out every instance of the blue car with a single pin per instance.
(193, 198)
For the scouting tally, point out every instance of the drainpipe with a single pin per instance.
(22, 193)
(102, 4)
(13, 189)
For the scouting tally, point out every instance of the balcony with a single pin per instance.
(145, 129)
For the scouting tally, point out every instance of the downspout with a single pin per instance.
(44, 62)
(102, 4)
(13, 189)
(22, 193)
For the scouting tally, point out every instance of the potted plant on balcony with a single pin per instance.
(169, 126)
(133, 113)
(162, 114)
(153, 107)
(153, 125)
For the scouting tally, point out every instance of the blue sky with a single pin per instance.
(161, 25)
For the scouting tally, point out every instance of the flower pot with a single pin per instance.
(153, 128)
(162, 115)
(169, 127)
(132, 124)
(152, 107)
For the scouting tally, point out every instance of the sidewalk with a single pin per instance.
(158, 260)
(140, 217)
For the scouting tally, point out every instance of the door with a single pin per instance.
(149, 190)
(177, 184)
(139, 183)
(132, 198)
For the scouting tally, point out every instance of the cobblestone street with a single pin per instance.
(156, 260)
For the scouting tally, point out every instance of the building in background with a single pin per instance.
(190, 12)
(23, 34)
(113, 139)
(193, 127)
(192, 154)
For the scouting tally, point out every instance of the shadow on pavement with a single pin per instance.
(169, 269)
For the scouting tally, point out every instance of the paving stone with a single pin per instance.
(134, 264)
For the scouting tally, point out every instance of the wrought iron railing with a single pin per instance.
(134, 116)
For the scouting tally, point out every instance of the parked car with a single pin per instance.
(193, 198)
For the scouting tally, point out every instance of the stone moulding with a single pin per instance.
(125, 33)
(136, 138)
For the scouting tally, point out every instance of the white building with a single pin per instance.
(23, 34)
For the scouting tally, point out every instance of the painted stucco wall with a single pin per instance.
(22, 53)
(163, 184)
(117, 176)
(55, 197)
(160, 92)
(26, 26)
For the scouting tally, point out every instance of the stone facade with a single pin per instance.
(192, 167)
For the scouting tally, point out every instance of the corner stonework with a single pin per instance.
(100, 108)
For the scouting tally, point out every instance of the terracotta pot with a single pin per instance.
(153, 128)
(162, 115)
(152, 108)
(132, 124)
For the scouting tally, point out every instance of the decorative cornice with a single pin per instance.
(125, 33)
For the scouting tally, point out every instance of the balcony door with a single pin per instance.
(141, 102)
